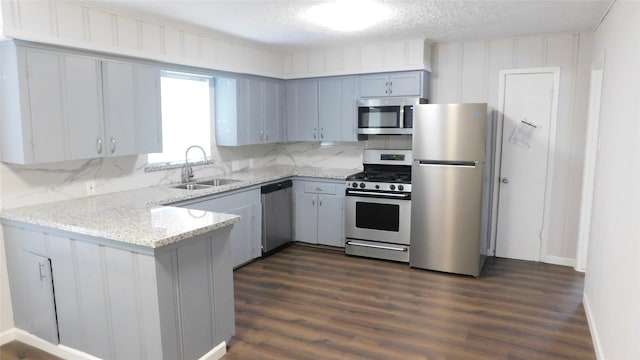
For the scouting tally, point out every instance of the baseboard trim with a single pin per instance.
(7, 336)
(216, 353)
(595, 338)
(69, 353)
(558, 260)
(62, 351)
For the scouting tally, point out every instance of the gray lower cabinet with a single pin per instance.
(245, 238)
(121, 301)
(60, 105)
(38, 284)
(319, 212)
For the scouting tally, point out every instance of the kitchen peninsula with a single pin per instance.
(123, 276)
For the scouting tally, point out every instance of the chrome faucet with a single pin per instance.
(187, 171)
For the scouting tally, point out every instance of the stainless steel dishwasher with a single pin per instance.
(277, 217)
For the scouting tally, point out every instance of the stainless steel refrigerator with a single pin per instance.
(451, 188)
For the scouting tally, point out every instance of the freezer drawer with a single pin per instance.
(446, 217)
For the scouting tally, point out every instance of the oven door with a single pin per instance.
(378, 218)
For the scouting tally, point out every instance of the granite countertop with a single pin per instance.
(140, 217)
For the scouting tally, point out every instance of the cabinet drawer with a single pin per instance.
(319, 188)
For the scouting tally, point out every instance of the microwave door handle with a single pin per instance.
(401, 122)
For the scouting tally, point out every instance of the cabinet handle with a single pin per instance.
(320, 201)
(322, 133)
(113, 145)
(99, 145)
(43, 273)
(313, 201)
(261, 135)
(266, 135)
(319, 189)
(386, 87)
(390, 87)
(314, 133)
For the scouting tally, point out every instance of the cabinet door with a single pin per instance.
(148, 110)
(350, 92)
(46, 106)
(374, 85)
(306, 217)
(291, 111)
(302, 110)
(255, 111)
(242, 235)
(273, 111)
(330, 220)
(83, 107)
(330, 109)
(39, 287)
(337, 108)
(119, 108)
(226, 112)
(405, 84)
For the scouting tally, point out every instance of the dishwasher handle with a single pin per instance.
(269, 188)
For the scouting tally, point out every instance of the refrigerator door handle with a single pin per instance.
(469, 164)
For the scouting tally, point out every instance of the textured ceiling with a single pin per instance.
(279, 22)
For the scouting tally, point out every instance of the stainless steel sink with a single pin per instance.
(217, 182)
(192, 186)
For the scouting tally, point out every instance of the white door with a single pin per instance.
(527, 107)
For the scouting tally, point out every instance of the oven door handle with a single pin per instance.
(378, 194)
(381, 247)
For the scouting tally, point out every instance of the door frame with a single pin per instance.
(590, 161)
(555, 70)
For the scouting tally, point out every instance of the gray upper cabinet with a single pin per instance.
(249, 111)
(337, 108)
(407, 83)
(60, 105)
(322, 109)
(302, 110)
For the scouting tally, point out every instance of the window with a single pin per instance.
(186, 117)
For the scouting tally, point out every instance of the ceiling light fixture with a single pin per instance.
(347, 15)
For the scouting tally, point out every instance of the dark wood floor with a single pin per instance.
(15, 350)
(308, 303)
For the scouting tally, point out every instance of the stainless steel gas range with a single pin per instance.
(378, 206)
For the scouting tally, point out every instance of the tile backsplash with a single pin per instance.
(34, 184)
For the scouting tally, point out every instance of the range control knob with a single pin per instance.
(377, 186)
(392, 187)
(362, 185)
(400, 187)
(355, 185)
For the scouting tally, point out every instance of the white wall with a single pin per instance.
(469, 72)
(86, 25)
(398, 55)
(612, 283)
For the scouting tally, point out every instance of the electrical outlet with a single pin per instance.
(90, 187)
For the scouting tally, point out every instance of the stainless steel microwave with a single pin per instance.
(387, 116)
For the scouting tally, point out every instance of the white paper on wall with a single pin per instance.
(524, 133)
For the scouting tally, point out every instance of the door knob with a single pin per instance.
(505, 180)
